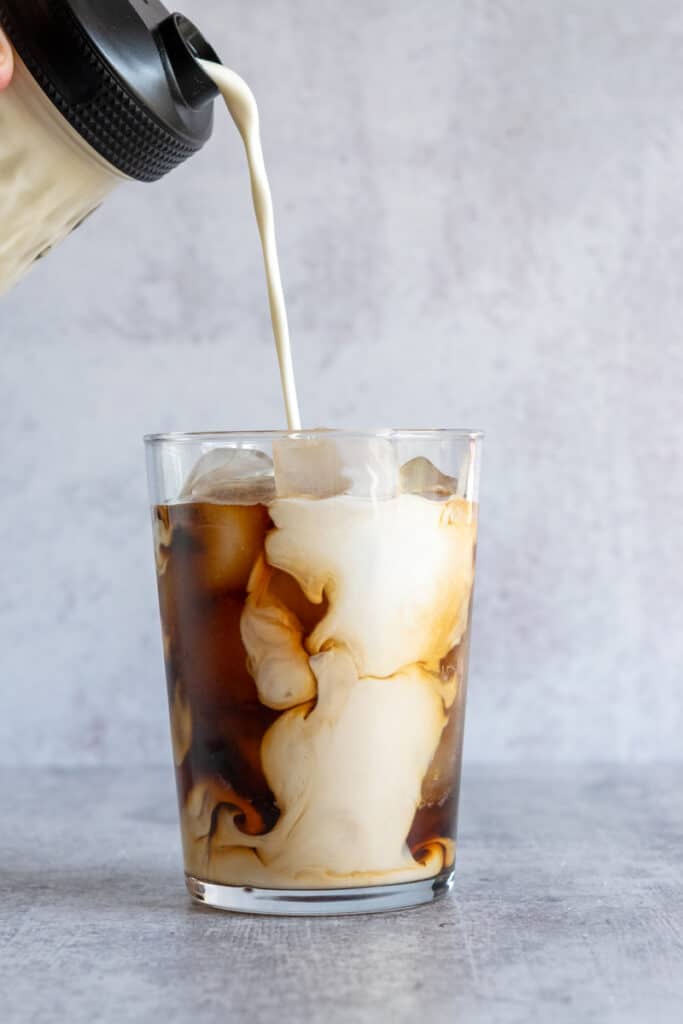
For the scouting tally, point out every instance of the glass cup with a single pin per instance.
(315, 593)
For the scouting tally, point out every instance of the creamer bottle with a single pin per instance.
(102, 93)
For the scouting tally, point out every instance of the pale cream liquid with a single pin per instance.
(240, 102)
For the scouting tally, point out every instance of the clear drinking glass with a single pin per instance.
(315, 593)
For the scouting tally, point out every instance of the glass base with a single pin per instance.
(372, 899)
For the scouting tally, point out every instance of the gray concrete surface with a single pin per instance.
(568, 908)
(481, 222)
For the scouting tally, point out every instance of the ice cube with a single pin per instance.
(308, 467)
(321, 466)
(163, 535)
(181, 725)
(231, 476)
(215, 544)
(443, 771)
(420, 476)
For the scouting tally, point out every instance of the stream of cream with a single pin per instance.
(240, 101)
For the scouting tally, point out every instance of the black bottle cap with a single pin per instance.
(123, 73)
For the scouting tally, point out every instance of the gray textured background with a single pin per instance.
(481, 224)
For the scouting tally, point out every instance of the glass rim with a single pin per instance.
(419, 433)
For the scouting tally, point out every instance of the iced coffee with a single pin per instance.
(315, 602)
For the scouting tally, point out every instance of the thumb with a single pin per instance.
(6, 61)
